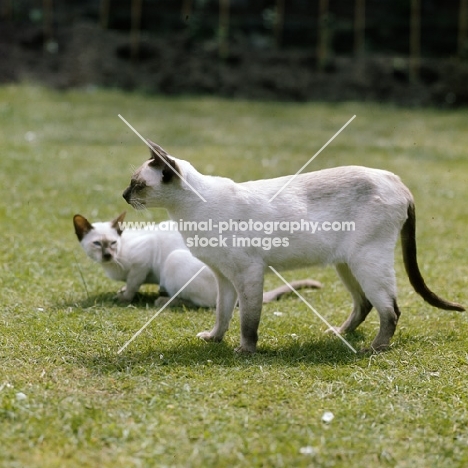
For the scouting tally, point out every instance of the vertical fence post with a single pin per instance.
(135, 30)
(415, 39)
(223, 28)
(186, 11)
(104, 14)
(323, 32)
(359, 27)
(7, 10)
(463, 29)
(48, 20)
(279, 23)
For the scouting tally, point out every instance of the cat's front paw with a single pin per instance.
(161, 301)
(334, 331)
(122, 296)
(122, 300)
(243, 349)
(207, 336)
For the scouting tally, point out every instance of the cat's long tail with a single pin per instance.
(408, 242)
(276, 293)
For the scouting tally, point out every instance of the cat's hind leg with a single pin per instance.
(175, 302)
(190, 279)
(376, 276)
(361, 305)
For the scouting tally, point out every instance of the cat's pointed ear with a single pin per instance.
(116, 223)
(82, 226)
(157, 153)
(161, 160)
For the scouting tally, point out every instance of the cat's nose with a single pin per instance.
(126, 194)
(106, 256)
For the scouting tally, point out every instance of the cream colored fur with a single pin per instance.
(379, 204)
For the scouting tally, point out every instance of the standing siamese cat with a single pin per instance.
(378, 203)
(157, 256)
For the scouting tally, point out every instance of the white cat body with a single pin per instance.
(139, 256)
(156, 256)
(377, 202)
(385, 211)
(141, 249)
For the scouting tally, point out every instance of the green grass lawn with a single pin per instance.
(68, 399)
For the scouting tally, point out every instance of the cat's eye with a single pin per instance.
(113, 243)
(97, 243)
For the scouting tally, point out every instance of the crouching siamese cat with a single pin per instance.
(376, 201)
(157, 256)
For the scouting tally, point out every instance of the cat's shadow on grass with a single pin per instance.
(142, 300)
(195, 352)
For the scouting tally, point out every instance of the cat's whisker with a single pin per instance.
(117, 262)
(138, 205)
(82, 276)
(141, 214)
